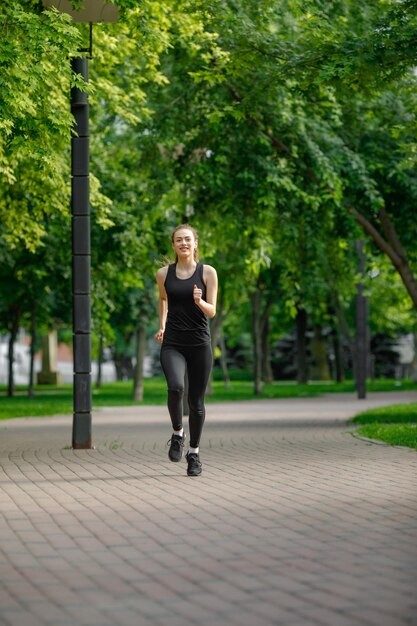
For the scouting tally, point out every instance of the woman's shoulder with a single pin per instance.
(209, 271)
(208, 268)
(161, 274)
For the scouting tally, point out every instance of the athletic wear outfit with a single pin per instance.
(186, 346)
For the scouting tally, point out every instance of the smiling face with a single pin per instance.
(184, 243)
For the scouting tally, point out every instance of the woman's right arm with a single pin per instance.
(162, 302)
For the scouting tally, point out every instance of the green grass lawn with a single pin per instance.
(395, 425)
(58, 399)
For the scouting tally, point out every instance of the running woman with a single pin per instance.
(187, 298)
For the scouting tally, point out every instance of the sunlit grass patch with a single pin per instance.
(56, 400)
(395, 425)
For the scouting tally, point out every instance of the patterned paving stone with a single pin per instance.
(293, 522)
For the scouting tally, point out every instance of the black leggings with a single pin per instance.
(197, 361)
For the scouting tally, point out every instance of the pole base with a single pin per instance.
(82, 446)
(81, 431)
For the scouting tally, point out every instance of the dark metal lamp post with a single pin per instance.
(92, 11)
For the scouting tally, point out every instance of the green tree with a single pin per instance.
(35, 119)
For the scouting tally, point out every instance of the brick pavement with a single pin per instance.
(293, 522)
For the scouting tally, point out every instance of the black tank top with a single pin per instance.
(186, 324)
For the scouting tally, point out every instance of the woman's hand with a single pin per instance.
(159, 336)
(197, 294)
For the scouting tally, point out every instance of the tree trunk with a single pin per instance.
(361, 328)
(266, 353)
(257, 341)
(301, 330)
(223, 360)
(320, 367)
(49, 374)
(99, 362)
(140, 356)
(215, 328)
(123, 365)
(414, 362)
(338, 356)
(14, 329)
(344, 327)
(341, 334)
(32, 351)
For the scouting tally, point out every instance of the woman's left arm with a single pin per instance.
(208, 306)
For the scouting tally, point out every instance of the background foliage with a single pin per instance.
(283, 131)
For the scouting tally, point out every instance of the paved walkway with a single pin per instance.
(293, 522)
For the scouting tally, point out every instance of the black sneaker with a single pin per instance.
(194, 465)
(176, 447)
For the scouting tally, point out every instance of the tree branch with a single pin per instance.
(400, 262)
(383, 245)
(275, 142)
(391, 233)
